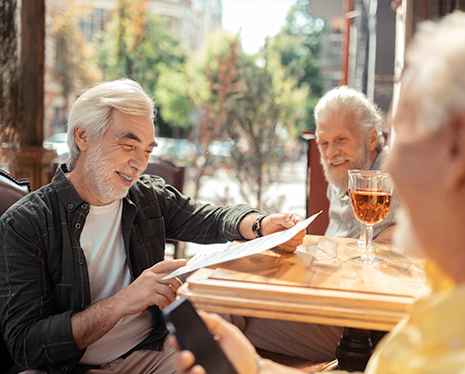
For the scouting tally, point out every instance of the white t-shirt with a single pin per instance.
(102, 242)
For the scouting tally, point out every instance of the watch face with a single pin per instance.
(256, 227)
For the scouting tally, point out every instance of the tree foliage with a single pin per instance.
(279, 88)
(139, 45)
(223, 84)
(72, 65)
(268, 103)
(200, 92)
(191, 92)
(298, 44)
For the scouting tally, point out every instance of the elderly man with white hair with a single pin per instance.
(82, 259)
(349, 136)
(427, 163)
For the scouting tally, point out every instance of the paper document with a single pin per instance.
(251, 247)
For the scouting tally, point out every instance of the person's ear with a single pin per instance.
(372, 139)
(456, 138)
(81, 139)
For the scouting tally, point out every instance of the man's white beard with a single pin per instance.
(404, 238)
(362, 161)
(99, 177)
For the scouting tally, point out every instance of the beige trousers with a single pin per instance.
(139, 362)
(297, 339)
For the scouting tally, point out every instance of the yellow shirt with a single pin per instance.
(431, 339)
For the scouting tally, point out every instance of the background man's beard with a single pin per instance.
(98, 174)
(341, 178)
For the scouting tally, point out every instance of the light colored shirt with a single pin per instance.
(430, 340)
(103, 246)
(342, 221)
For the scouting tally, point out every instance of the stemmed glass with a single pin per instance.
(361, 241)
(370, 197)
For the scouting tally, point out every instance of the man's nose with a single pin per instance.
(332, 150)
(139, 160)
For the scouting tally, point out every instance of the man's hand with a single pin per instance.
(271, 224)
(150, 289)
(274, 223)
(280, 221)
(239, 351)
(147, 290)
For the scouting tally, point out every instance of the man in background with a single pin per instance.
(349, 136)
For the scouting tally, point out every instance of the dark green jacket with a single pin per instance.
(43, 272)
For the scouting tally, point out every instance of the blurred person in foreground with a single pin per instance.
(82, 259)
(349, 136)
(430, 131)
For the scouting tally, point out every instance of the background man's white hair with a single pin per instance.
(436, 64)
(92, 111)
(343, 98)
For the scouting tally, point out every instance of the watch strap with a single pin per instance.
(257, 227)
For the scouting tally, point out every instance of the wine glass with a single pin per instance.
(361, 241)
(370, 195)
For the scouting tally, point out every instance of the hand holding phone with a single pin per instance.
(183, 321)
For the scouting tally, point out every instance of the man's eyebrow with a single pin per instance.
(132, 136)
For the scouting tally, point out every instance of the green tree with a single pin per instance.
(298, 44)
(185, 93)
(72, 65)
(269, 102)
(139, 45)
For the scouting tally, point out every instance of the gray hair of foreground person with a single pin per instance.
(435, 62)
(343, 98)
(92, 111)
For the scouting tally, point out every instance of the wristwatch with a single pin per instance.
(257, 227)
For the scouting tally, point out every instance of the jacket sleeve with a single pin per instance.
(36, 332)
(188, 220)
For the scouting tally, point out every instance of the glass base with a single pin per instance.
(360, 245)
(367, 259)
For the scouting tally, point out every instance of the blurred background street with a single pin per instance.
(220, 186)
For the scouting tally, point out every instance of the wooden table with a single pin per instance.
(299, 287)
(308, 286)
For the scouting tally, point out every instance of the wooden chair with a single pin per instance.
(316, 187)
(173, 175)
(11, 190)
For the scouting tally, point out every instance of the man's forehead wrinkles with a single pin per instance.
(332, 133)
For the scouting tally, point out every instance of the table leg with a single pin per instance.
(354, 349)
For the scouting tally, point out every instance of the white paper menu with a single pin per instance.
(251, 247)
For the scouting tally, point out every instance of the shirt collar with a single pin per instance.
(66, 192)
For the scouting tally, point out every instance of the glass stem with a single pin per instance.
(369, 238)
(362, 233)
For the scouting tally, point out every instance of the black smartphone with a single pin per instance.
(192, 334)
